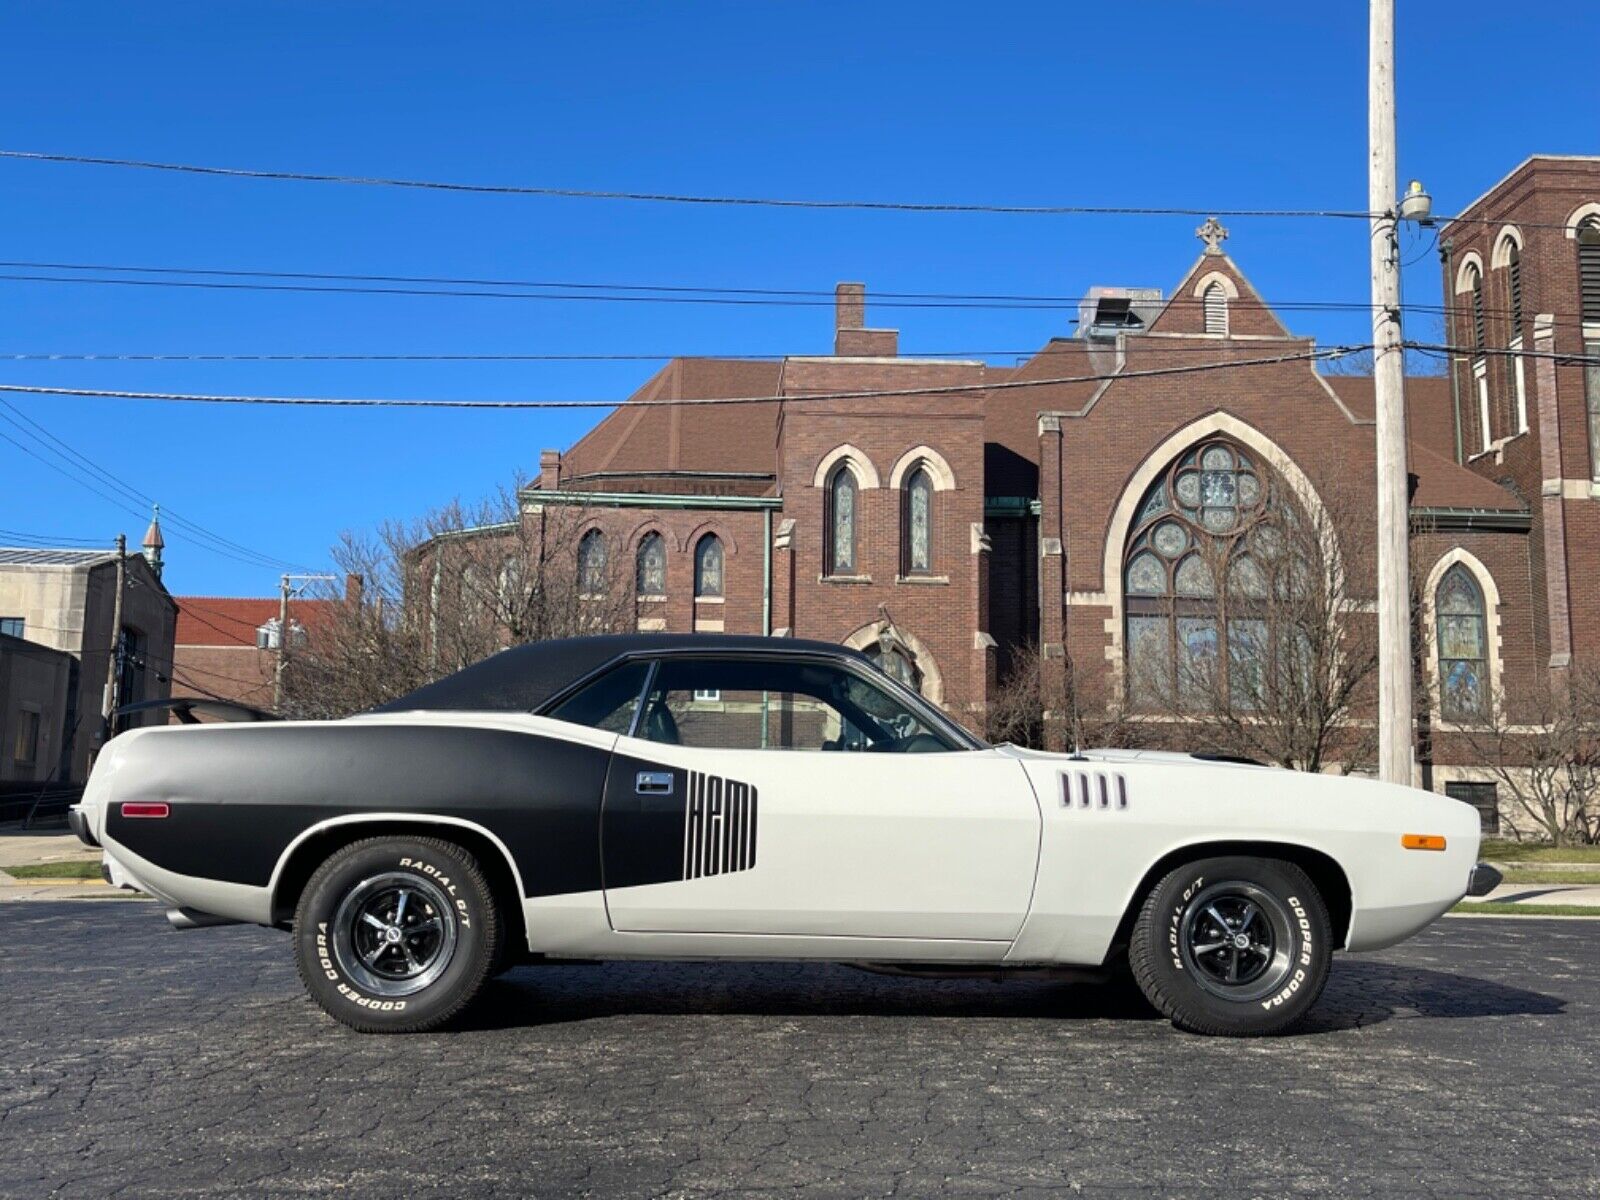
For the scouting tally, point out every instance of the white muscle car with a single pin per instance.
(661, 796)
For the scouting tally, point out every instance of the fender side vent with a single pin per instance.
(1097, 791)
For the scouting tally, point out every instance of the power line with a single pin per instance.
(1049, 210)
(743, 297)
(47, 539)
(1560, 357)
(486, 293)
(80, 464)
(1063, 346)
(862, 394)
(676, 198)
(67, 453)
(815, 296)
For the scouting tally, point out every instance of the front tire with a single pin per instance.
(1237, 947)
(396, 934)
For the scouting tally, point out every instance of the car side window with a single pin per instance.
(607, 703)
(765, 704)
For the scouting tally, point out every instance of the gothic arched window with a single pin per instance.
(650, 566)
(916, 506)
(842, 520)
(1203, 520)
(708, 567)
(592, 563)
(1463, 647)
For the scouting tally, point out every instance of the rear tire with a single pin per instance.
(1235, 947)
(396, 934)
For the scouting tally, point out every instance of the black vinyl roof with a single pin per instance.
(522, 678)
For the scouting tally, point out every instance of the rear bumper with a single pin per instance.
(78, 822)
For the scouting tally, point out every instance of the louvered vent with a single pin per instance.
(1478, 333)
(1094, 790)
(1216, 308)
(1589, 270)
(1514, 286)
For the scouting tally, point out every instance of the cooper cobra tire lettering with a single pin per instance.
(1303, 959)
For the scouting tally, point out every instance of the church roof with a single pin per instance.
(638, 437)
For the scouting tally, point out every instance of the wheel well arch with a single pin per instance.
(304, 856)
(1329, 877)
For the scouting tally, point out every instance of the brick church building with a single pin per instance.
(942, 514)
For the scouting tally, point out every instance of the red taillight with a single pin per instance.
(140, 809)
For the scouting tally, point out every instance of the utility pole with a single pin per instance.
(282, 657)
(1394, 576)
(109, 698)
(283, 644)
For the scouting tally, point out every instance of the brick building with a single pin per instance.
(1063, 502)
(226, 647)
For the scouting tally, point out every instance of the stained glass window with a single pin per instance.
(708, 567)
(841, 522)
(592, 563)
(1203, 521)
(650, 567)
(919, 523)
(1463, 653)
(897, 663)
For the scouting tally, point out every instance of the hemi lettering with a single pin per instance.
(719, 826)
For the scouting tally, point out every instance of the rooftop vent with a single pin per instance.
(1108, 311)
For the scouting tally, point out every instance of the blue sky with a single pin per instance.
(1181, 104)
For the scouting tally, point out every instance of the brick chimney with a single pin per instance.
(549, 470)
(353, 587)
(851, 337)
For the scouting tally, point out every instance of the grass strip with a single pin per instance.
(74, 869)
(1496, 850)
(1575, 875)
(1489, 908)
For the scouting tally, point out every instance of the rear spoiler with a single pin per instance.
(194, 710)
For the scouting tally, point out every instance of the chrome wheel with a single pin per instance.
(1238, 940)
(394, 934)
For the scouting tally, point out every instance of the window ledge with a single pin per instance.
(710, 599)
(844, 578)
(651, 598)
(935, 580)
(1497, 448)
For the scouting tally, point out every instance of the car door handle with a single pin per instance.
(653, 783)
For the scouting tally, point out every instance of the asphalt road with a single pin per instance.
(135, 1061)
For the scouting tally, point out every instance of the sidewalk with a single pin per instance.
(23, 847)
(1586, 895)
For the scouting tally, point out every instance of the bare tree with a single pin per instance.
(1282, 669)
(1045, 703)
(442, 592)
(1541, 744)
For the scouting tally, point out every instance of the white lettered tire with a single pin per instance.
(1232, 946)
(396, 934)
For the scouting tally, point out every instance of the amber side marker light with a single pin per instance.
(1422, 841)
(137, 809)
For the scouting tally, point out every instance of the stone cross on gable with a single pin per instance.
(1213, 234)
